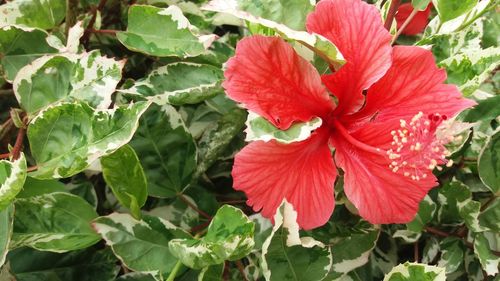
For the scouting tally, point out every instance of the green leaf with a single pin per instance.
(166, 150)
(34, 187)
(317, 43)
(290, 13)
(87, 77)
(469, 69)
(85, 265)
(6, 225)
(489, 163)
(486, 109)
(286, 256)
(178, 213)
(136, 276)
(123, 172)
(353, 251)
(426, 211)
(420, 4)
(489, 217)
(162, 32)
(43, 14)
(21, 45)
(217, 137)
(141, 245)
(482, 249)
(443, 26)
(12, 177)
(431, 249)
(56, 222)
(179, 83)
(65, 139)
(452, 254)
(416, 271)
(450, 9)
(449, 197)
(229, 237)
(211, 273)
(258, 128)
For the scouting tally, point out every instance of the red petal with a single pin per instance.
(302, 172)
(356, 28)
(417, 24)
(380, 195)
(268, 76)
(413, 83)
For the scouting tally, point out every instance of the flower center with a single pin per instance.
(415, 148)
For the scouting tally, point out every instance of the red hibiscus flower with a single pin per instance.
(417, 24)
(384, 139)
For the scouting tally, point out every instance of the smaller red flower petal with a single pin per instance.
(303, 173)
(269, 78)
(417, 24)
(356, 28)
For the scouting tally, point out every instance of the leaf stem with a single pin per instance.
(16, 150)
(405, 24)
(192, 206)
(90, 26)
(241, 268)
(4, 155)
(393, 9)
(103, 31)
(416, 255)
(171, 276)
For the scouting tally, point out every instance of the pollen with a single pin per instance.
(416, 150)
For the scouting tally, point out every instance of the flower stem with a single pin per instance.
(393, 9)
(405, 24)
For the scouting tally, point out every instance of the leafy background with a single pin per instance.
(117, 143)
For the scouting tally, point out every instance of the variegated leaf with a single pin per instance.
(482, 249)
(19, 46)
(258, 128)
(162, 32)
(141, 245)
(66, 138)
(229, 237)
(43, 14)
(69, 228)
(179, 83)
(287, 256)
(12, 177)
(416, 271)
(6, 225)
(319, 44)
(87, 77)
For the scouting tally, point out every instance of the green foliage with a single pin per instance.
(126, 143)
(229, 237)
(123, 172)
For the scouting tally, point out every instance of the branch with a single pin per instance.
(103, 31)
(393, 9)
